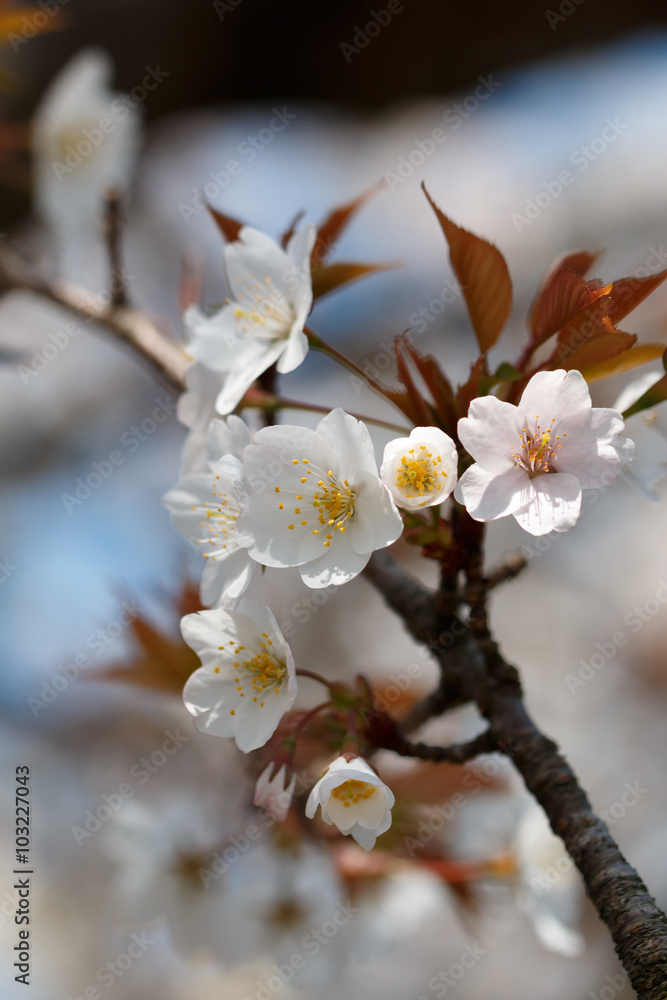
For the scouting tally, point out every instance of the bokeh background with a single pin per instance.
(560, 74)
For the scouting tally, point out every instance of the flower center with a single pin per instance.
(418, 475)
(352, 791)
(219, 520)
(262, 310)
(329, 504)
(259, 673)
(537, 449)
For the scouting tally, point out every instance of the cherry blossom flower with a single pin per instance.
(247, 680)
(317, 501)
(354, 799)
(533, 460)
(263, 323)
(420, 470)
(85, 139)
(274, 794)
(205, 506)
(649, 465)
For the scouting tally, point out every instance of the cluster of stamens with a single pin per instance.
(418, 474)
(353, 791)
(538, 449)
(261, 309)
(261, 671)
(219, 520)
(332, 502)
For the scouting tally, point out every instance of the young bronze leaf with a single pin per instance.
(627, 293)
(597, 349)
(438, 385)
(328, 277)
(580, 261)
(228, 226)
(333, 226)
(419, 406)
(635, 356)
(562, 296)
(482, 273)
(471, 389)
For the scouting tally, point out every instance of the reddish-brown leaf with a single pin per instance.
(438, 385)
(228, 226)
(635, 356)
(482, 273)
(328, 277)
(471, 389)
(627, 293)
(562, 296)
(162, 662)
(421, 414)
(580, 261)
(333, 226)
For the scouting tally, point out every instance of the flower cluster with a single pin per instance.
(314, 500)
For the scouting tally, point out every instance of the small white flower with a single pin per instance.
(317, 501)
(247, 680)
(420, 470)
(354, 799)
(533, 460)
(205, 506)
(274, 794)
(649, 465)
(271, 296)
(85, 140)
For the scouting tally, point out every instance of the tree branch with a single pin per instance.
(165, 357)
(474, 668)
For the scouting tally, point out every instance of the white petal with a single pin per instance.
(365, 838)
(635, 390)
(238, 381)
(552, 394)
(336, 566)
(256, 254)
(296, 348)
(214, 340)
(489, 431)
(299, 250)
(350, 440)
(227, 577)
(227, 437)
(376, 523)
(488, 495)
(554, 504)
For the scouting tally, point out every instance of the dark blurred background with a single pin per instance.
(218, 51)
